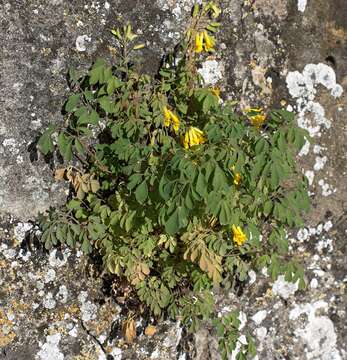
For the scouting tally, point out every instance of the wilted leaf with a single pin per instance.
(129, 330)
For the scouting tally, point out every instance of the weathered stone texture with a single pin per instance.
(52, 308)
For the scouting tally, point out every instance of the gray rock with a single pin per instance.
(261, 42)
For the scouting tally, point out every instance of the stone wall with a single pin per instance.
(271, 52)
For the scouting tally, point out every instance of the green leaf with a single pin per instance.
(165, 188)
(134, 180)
(225, 213)
(201, 185)
(79, 147)
(267, 207)
(65, 146)
(141, 192)
(72, 102)
(86, 247)
(219, 179)
(113, 84)
(45, 143)
(74, 204)
(97, 72)
(172, 225)
(107, 105)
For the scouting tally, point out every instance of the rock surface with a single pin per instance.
(272, 52)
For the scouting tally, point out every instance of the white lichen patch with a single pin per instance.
(259, 316)
(284, 288)
(261, 333)
(327, 189)
(320, 163)
(310, 176)
(302, 87)
(308, 309)
(303, 234)
(319, 334)
(314, 283)
(50, 349)
(21, 229)
(81, 42)
(305, 149)
(327, 226)
(7, 253)
(48, 301)
(11, 145)
(302, 5)
(49, 276)
(88, 309)
(212, 71)
(243, 320)
(74, 331)
(252, 277)
(62, 294)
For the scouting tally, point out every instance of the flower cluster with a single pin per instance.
(256, 116)
(171, 118)
(193, 136)
(237, 178)
(239, 236)
(203, 41)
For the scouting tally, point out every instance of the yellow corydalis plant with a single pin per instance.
(171, 118)
(193, 136)
(239, 237)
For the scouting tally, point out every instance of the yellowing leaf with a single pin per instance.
(94, 185)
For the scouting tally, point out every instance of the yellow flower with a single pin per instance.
(239, 236)
(167, 116)
(170, 117)
(216, 91)
(209, 42)
(237, 178)
(199, 38)
(256, 116)
(258, 120)
(175, 122)
(193, 136)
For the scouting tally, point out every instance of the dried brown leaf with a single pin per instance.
(59, 174)
(129, 330)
